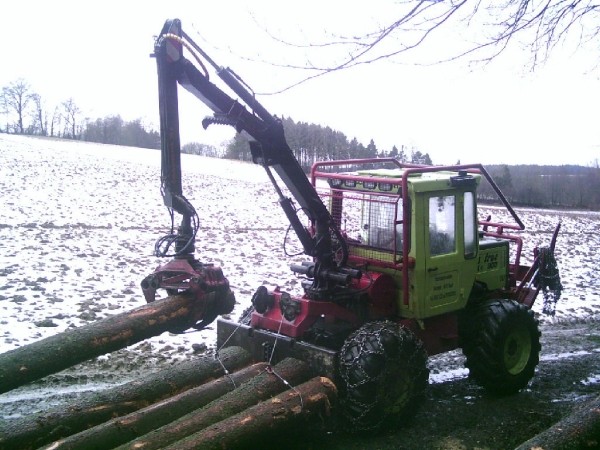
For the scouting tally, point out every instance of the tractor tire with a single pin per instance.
(501, 342)
(383, 376)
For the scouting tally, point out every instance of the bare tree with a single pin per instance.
(540, 26)
(40, 116)
(4, 111)
(71, 114)
(16, 97)
(55, 122)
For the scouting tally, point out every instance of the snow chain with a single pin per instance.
(549, 280)
(368, 338)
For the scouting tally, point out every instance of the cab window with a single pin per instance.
(442, 226)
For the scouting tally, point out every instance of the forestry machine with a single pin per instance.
(400, 265)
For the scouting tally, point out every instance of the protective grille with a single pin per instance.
(371, 222)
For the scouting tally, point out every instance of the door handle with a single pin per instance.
(432, 269)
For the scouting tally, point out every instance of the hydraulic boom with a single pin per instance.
(269, 148)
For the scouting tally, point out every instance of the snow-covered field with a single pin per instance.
(78, 222)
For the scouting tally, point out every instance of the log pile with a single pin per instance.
(253, 427)
(259, 388)
(223, 413)
(206, 402)
(123, 429)
(35, 430)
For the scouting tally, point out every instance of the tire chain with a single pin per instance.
(364, 338)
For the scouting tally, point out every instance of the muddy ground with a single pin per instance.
(457, 414)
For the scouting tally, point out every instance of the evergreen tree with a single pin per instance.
(419, 158)
(371, 150)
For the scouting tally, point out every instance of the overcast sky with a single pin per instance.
(98, 54)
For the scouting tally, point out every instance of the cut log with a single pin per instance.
(578, 430)
(259, 426)
(260, 388)
(55, 353)
(97, 407)
(126, 428)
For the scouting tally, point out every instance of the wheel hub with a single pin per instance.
(517, 350)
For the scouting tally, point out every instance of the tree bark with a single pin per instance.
(579, 430)
(263, 386)
(261, 425)
(126, 428)
(98, 407)
(56, 353)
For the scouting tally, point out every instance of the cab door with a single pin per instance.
(444, 253)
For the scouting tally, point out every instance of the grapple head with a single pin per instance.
(186, 276)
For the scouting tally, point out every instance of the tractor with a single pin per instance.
(400, 265)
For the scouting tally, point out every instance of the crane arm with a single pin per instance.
(269, 148)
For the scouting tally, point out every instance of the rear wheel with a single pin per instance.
(383, 375)
(501, 341)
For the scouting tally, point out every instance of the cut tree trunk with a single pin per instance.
(97, 407)
(55, 353)
(578, 430)
(264, 386)
(126, 428)
(262, 425)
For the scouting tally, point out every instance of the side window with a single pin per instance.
(470, 226)
(442, 226)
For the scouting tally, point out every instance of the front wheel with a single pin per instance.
(383, 374)
(501, 341)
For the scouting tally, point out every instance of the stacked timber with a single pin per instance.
(226, 412)
(216, 401)
(94, 408)
(288, 372)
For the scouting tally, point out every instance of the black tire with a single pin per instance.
(501, 341)
(382, 376)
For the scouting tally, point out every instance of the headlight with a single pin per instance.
(369, 184)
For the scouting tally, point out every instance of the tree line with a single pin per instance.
(24, 111)
(311, 143)
(537, 186)
(566, 186)
(525, 185)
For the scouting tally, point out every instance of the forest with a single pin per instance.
(560, 187)
(540, 186)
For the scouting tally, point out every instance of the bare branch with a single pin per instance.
(543, 26)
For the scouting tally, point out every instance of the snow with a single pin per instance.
(78, 222)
